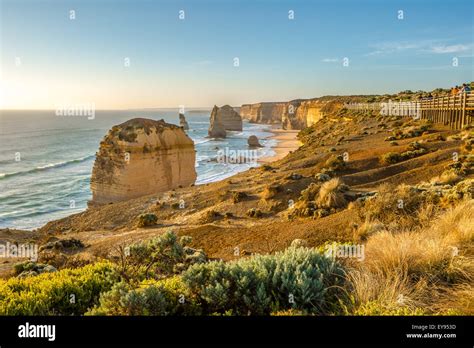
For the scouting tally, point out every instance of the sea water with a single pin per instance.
(46, 160)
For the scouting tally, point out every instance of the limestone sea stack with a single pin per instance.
(252, 141)
(230, 118)
(216, 127)
(141, 157)
(182, 122)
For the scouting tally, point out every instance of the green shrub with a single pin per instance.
(30, 268)
(161, 256)
(66, 292)
(298, 278)
(310, 193)
(415, 145)
(336, 163)
(145, 220)
(390, 158)
(163, 297)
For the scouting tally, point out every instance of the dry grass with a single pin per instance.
(367, 229)
(448, 177)
(415, 269)
(384, 293)
(270, 192)
(399, 208)
(457, 301)
(330, 195)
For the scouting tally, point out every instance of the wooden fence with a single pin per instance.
(453, 110)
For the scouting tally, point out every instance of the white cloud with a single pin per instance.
(450, 48)
(331, 60)
(423, 46)
(394, 47)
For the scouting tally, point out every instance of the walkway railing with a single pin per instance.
(454, 110)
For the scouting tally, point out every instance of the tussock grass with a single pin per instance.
(448, 177)
(331, 195)
(411, 271)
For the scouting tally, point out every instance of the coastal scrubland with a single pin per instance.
(266, 241)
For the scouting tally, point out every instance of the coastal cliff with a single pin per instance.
(141, 157)
(292, 115)
(263, 112)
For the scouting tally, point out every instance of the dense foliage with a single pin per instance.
(299, 278)
(66, 292)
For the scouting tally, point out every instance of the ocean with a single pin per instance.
(46, 160)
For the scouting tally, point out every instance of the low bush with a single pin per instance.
(335, 163)
(297, 278)
(145, 220)
(390, 158)
(210, 216)
(395, 157)
(30, 268)
(66, 292)
(162, 256)
(310, 193)
(163, 297)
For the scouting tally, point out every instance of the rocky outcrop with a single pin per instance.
(216, 127)
(182, 122)
(229, 118)
(141, 157)
(252, 141)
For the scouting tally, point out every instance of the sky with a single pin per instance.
(122, 54)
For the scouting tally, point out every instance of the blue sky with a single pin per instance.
(47, 59)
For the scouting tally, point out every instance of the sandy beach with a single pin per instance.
(287, 141)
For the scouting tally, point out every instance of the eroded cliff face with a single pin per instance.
(263, 112)
(229, 118)
(141, 157)
(295, 114)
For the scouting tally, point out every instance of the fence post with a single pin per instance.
(463, 106)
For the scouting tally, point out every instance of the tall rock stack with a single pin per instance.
(224, 119)
(216, 127)
(182, 122)
(229, 118)
(141, 157)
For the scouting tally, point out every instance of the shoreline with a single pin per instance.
(286, 141)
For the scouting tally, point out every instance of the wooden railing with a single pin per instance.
(453, 110)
